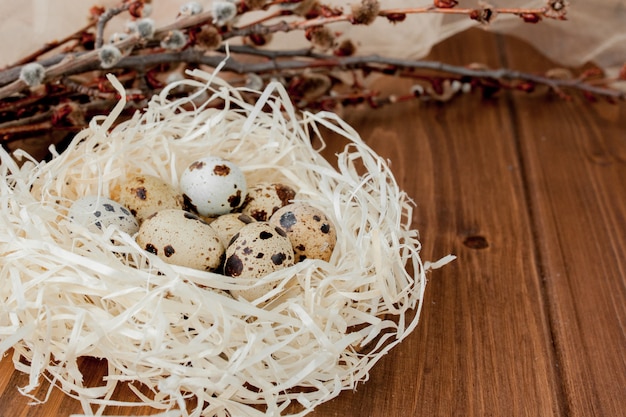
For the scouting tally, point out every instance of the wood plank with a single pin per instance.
(483, 346)
(574, 157)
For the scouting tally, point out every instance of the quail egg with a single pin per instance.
(147, 194)
(181, 238)
(311, 233)
(98, 212)
(255, 251)
(227, 225)
(213, 186)
(264, 199)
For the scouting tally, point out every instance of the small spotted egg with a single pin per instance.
(213, 186)
(311, 233)
(227, 225)
(181, 238)
(97, 213)
(255, 251)
(264, 199)
(147, 194)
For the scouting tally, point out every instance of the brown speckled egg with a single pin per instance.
(264, 199)
(227, 225)
(147, 194)
(181, 238)
(311, 233)
(255, 251)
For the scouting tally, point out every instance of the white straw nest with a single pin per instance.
(67, 293)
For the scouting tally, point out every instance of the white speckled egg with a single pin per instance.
(147, 194)
(255, 251)
(213, 186)
(311, 233)
(264, 199)
(227, 225)
(181, 238)
(97, 213)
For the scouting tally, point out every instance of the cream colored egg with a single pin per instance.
(147, 194)
(181, 238)
(310, 231)
(227, 225)
(256, 250)
(264, 199)
(213, 186)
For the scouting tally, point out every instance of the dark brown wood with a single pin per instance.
(530, 193)
(574, 158)
(481, 347)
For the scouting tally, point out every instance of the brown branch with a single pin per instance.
(105, 18)
(270, 16)
(186, 22)
(457, 10)
(301, 60)
(68, 64)
(9, 133)
(44, 121)
(370, 62)
(13, 88)
(326, 20)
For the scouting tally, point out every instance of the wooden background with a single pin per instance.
(529, 191)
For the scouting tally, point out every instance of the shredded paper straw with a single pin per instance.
(175, 335)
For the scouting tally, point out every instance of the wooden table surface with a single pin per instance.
(529, 191)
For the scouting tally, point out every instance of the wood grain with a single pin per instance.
(530, 193)
(480, 348)
(575, 162)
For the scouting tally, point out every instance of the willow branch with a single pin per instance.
(299, 60)
(371, 62)
(11, 83)
(143, 54)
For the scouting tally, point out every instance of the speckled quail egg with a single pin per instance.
(264, 199)
(97, 213)
(227, 225)
(181, 238)
(255, 251)
(310, 231)
(147, 194)
(213, 186)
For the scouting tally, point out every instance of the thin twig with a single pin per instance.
(186, 22)
(304, 24)
(104, 19)
(13, 88)
(43, 122)
(458, 10)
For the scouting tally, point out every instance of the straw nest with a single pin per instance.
(177, 333)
